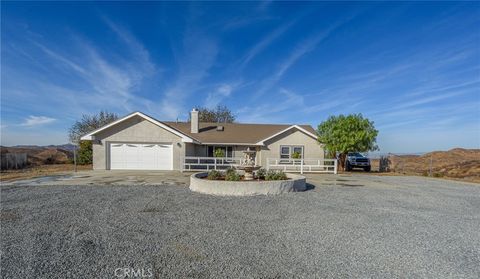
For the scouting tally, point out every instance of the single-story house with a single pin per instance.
(138, 141)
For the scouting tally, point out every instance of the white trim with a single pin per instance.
(231, 143)
(262, 142)
(184, 137)
(291, 147)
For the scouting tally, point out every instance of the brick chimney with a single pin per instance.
(194, 121)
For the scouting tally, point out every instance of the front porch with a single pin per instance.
(320, 165)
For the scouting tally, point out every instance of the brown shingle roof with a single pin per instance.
(233, 132)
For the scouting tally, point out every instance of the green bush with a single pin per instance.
(296, 155)
(230, 171)
(232, 176)
(85, 153)
(438, 174)
(275, 175)
(214, 175)
(219, 153)
(261, 173)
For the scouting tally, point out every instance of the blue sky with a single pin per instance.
(412, 68)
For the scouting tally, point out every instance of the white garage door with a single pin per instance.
(136, 156)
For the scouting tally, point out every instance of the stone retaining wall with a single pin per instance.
(246, 188)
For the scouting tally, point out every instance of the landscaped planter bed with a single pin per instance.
(199, 183)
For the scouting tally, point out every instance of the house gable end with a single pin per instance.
(287, 131)
(141, 116)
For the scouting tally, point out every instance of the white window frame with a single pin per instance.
(291, 149)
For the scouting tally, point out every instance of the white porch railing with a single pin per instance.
(208, 163)
(303, 165)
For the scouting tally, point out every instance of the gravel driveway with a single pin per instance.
(347, 226)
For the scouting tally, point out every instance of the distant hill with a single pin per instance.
(67, 146)
(41, 155)
(455, 163)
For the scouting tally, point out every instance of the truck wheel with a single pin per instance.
(348, 167)
(367, 168)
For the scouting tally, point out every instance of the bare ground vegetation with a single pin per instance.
(458, 163)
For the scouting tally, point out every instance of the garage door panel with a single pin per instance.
(136, 156)
(117, 156)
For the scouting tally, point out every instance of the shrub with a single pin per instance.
(261, 173)
(232, 176)
(50, 160)
(296, 155)
(85, 153)
(214, 175)
(219, 153)
(275, 175)
(438, 174)
(230, 171)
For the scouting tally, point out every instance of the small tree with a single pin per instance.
(352, 133)
(220, 114)
(87, 124)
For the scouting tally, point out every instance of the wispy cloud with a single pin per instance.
(214, 98)
(264, 43)
(105, 83)
(243, 21)
(198, 56)
(268, 113)
(137, 49)
(37, 121)
(300, 50)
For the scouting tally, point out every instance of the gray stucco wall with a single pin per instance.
(311, 147)
(136, 130)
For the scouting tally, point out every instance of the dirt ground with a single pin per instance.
(346, 225)
(39, 171)
(67, 169)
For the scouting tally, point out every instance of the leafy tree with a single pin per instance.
(220, 114)
(89, 123)
(85, 153)
(351, 133)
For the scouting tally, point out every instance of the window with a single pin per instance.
(298, 149)
(227, 150)
(286, 151)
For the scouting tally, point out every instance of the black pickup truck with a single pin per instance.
(357, 160)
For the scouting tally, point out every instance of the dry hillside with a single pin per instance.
(41, 155)
(457, 163)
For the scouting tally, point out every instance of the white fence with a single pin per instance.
(303, 165)
(13, 161)
(208, 163)
(286, 165)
